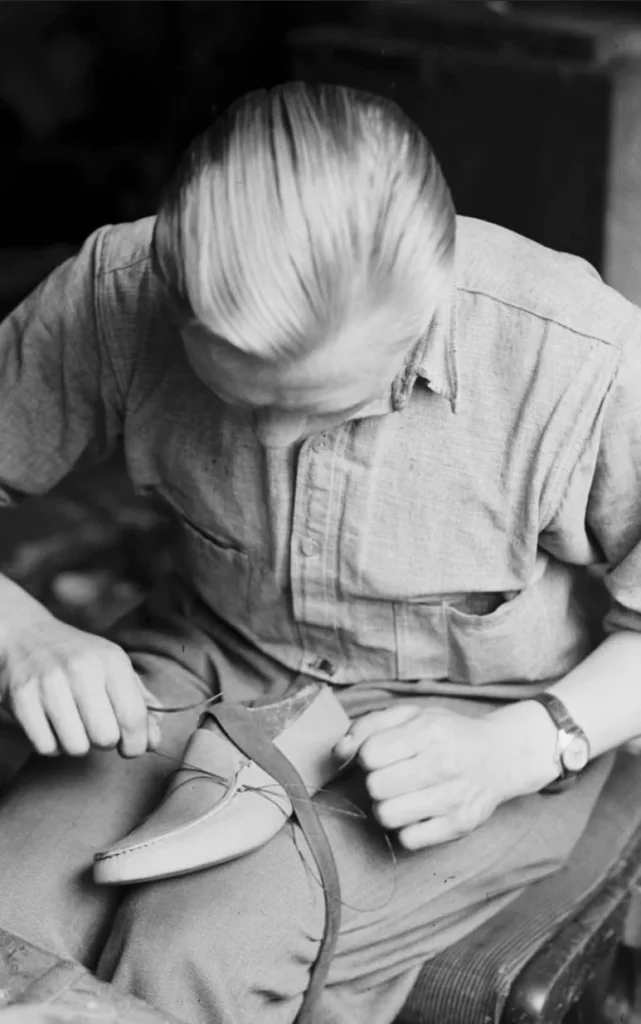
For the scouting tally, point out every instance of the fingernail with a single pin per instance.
(343, 763)
(154, 733)
(345, 747)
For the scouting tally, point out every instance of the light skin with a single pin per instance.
(293, 399)
(433, 775)
(436, 775)
(43, 1013)
(69, 690)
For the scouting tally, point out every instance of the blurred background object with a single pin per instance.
(534, 110)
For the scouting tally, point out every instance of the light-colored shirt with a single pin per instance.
(437, 546)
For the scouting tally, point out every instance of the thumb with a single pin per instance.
(149, 698)
(372, 723)
(154, 718)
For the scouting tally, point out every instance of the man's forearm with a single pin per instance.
(603, 695)
(17, 607)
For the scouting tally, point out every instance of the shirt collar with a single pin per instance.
(433, 359)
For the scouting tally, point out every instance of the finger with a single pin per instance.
(431, 802)
(151, 701)
(40, 1014)
(431, 833)
(400, 763)
(154, 718)
(61, 710)
(369, 725)
(392, 746)
(96, 712)
(29, 713)
(395, 779)
(125, 692)
(154, 733)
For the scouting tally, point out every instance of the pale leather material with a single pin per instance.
(204, 821)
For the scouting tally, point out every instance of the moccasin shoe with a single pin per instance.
(221, 804)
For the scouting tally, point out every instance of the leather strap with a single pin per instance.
(241, 727)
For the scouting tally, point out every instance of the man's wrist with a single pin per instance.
(18, 609)
(528, 738)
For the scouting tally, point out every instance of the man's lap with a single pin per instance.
(400, 908)
(252, 926)
(59, 811)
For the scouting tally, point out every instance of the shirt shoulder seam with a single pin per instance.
(123, 266)
(539, 316)
(100, 275)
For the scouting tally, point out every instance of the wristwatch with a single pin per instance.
(572, 745)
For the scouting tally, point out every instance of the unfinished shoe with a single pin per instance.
(221, 803)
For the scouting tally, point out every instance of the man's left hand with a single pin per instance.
(433, 775)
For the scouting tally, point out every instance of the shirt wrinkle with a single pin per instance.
(419, 550)
(568, 460)
(123, 266)
(433, 360)
(124, 388)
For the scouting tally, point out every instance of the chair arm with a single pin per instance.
(556, 976)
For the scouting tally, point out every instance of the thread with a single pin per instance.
(232, 786)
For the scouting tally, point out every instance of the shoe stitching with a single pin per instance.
(182, 828)
(103, 857)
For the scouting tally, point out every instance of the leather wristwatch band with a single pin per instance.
(567, 732)
(557, 710)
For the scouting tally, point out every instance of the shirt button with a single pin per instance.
(310, 546)
(321, 443)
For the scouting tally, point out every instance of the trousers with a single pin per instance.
(234, 944)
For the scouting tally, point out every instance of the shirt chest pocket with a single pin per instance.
(538, 634)
(218, 573)
(209, 564)
(508, 644)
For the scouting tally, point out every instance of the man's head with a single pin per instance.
(307, 238)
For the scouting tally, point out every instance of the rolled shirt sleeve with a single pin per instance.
(614, 504)
(597, 521)
(60, 400)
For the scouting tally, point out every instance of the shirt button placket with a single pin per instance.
(311, 546)
(308, 583)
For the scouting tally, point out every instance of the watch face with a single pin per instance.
(576, 754)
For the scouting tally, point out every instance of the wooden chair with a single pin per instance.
(564, 950)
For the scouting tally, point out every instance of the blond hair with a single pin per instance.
(302, 210)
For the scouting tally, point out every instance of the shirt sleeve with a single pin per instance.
(613, 514)
(60, 406)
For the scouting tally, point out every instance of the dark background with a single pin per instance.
(98, 99)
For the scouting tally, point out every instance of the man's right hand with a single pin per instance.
(71, 691)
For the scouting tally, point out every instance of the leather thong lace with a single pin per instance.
(240, 726)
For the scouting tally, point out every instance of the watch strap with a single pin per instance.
(558, 712)
(565, 724)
